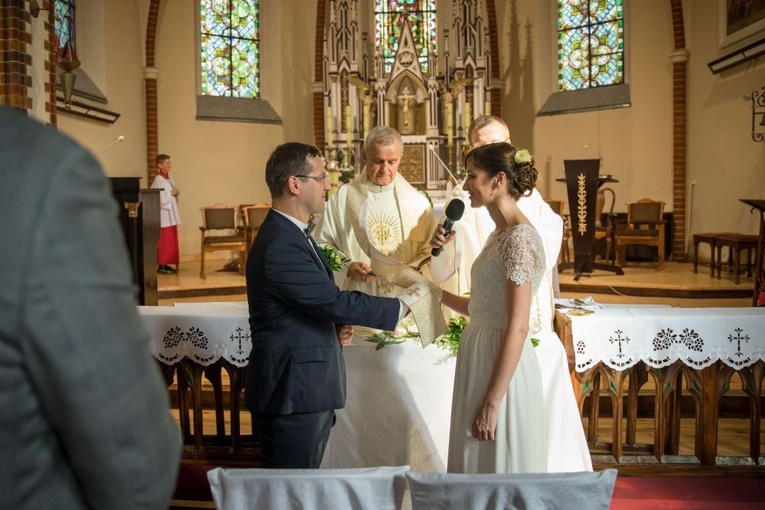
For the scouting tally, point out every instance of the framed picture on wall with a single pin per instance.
(740, 19)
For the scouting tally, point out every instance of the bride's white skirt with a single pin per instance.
(521, 436)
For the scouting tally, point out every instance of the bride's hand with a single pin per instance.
(485, 423)
(439, 239)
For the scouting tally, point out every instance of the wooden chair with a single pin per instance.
(220, 232)
(254, 215)
(645, 225)
(559, 208)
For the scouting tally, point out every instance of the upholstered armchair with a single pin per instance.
(219, 231)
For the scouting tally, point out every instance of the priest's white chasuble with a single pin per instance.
(365, 221)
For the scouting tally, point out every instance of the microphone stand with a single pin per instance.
(118, 140)
(442, 163)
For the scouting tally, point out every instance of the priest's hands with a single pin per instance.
(439, 240)
(361, 272)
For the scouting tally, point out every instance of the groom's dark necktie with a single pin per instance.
(315, 247)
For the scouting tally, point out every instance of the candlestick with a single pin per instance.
(348, 130)
(366, 119)
(487, 108)
(328, 121)
(449, 124)
(468, 117)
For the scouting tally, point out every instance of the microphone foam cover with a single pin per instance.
(455, 209)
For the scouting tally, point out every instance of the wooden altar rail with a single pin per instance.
(222, 448)
(707, 387)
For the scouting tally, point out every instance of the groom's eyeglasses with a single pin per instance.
(323, 178)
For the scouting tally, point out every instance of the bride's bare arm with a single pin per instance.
(519, 308)
(457, 303)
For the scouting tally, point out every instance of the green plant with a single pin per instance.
(334, 257)
(406, 330)
(347, 175)
(450, 339)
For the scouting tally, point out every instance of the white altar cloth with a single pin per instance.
(399, 397)
(398, 408)
(203, 332)
(620, 338)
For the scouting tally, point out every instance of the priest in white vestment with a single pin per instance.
(378, 215)
(452, 270)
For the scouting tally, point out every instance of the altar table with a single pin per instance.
(617, 349)
(399, 397)
(622, 337)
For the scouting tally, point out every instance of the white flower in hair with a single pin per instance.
(522, 156)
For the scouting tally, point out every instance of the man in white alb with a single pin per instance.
(378, 215)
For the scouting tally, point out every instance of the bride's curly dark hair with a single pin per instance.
(517, 165)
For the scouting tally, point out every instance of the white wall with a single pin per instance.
(722, 157)
(635, 143)
(224, 162)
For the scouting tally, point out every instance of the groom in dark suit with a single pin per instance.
(299, 317)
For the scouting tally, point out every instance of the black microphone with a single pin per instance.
(454, 211)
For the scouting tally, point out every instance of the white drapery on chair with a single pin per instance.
(548, 491)
(308, 489)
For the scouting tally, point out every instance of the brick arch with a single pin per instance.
(679, 59)
(150, 85)
(318, 74)
(318, 96)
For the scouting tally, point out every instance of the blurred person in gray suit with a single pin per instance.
(85, 419)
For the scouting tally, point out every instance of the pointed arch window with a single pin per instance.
(422, 20)
(590, 44)
(230, 48)
(65, 26)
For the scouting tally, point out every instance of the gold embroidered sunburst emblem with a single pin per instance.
(384, 232)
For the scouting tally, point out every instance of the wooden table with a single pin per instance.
(759, 275)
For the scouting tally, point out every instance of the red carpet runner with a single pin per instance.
(688, 493)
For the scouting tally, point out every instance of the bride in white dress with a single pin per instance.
(498, 410)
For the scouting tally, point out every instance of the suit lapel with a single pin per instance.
(317, 252)
(287, 226)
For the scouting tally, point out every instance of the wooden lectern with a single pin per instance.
(582, 182)
(759, 275)
(139, 218)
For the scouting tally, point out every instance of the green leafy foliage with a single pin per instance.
(334, 257)
(450, 339)
(406, 330)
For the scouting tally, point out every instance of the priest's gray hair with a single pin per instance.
(382, 135)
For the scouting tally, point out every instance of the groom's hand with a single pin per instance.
(344, 334)
(361, 272)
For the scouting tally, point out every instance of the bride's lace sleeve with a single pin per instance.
(517, 248)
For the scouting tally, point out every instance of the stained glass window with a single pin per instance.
(64, 25)
(230, 52)
(590, 43)
(422, 20)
